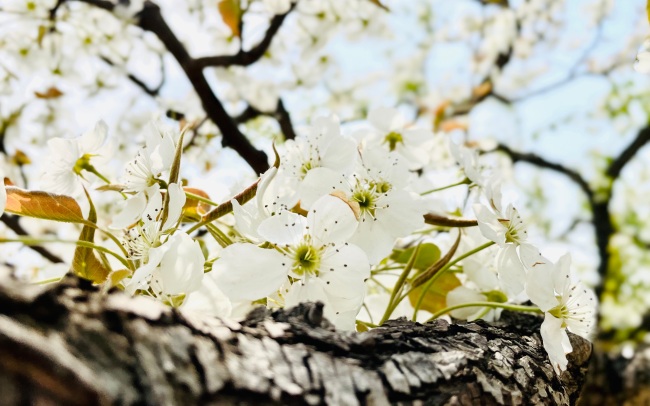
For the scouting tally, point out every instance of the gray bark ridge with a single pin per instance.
(72, 344)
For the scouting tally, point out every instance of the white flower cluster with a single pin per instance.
(325, 224)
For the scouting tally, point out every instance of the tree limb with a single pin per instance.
(245, 58)
(615, 168)
(69, 343)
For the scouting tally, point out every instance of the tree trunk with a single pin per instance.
(71, 344)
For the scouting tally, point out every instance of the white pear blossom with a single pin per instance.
(642, 63)
(386, 210)
(313, 252)
(566, 305)
(507, 229)
(153, 161)
(68, 160)
(208, 299)
(323, 147)
(390, 131)
(173, 268)
(468, 161)
(150, 230)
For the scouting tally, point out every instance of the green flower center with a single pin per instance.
(306, 167)
(306, 259)
(392, 139)
(366, 200)
(82, 163)
(561, 312)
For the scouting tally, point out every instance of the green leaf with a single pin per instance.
(174, 172)
(435, 299)
(43, 205)
(84, 263)
(428, 255)
(436, 266)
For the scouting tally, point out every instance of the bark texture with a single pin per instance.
(72, 344)
(618, 379)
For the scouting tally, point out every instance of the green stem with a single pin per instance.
(39, 241)
(437, 275)
(367, 324)
(516, 308)
(219, 235)
(400, 284)
(46, 281)
(94, 171)
(200, 198)
(465, 181)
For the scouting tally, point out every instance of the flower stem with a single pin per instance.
(219, 235)
(39, 241)
(90, 168)
(437, 275)
(193, 196)
(495, 305)
(399, 285)
(465, 181)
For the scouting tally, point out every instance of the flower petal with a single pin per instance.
(556, 342)
(248, 272)
(331, 220)
(282, 229)
(176, 201)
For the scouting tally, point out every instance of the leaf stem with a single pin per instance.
(200, 198)
(465, 181)
(437, 275)
(39, 241)
(516, 308)
(399, 285)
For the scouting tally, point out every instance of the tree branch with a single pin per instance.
(14, 225)
(537, 160)
(628, 153)
(245, 58)
(280, 114)
(118, 349)
(151, 19)
(601, 219)
(145, 88)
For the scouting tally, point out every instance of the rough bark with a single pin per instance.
(72, 344)
(617, 379)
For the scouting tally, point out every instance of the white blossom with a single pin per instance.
(566, 305)
(313, 251)
(69, 159)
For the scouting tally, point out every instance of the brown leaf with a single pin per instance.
(51, 93)
(379, 4)
(194, 209)
(230, 11)
(43, 205)
(85, 263)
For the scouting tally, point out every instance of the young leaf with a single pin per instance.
(174, 173)
(50, 93)
(429, 253)
(193, 209)
(438, 265)
(230, 11)
(435, 298)
(43, 205)
(84, 263)
(379, 4)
